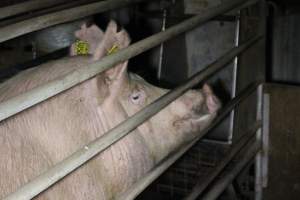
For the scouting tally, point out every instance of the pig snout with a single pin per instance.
(196, 109)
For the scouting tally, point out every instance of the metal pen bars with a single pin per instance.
(27, 6)
(39, 94)
(138, 187)
(63, 16)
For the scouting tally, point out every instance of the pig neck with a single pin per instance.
(111, 111)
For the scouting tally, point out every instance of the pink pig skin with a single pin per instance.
(34, 140)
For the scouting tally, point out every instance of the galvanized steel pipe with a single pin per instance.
(84, 154)
(41, 93)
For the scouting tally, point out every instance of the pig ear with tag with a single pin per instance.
(111, 43)
(90, 37)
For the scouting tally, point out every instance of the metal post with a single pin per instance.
(27, 6)
(234, 76)
(265, 139)
(63, 168)
(41, 93)
(258, 159)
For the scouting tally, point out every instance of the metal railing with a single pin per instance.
(41, 93)
(67, 15)
(27, 6)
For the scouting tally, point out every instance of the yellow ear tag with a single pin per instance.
(82, 47)
(113, 49)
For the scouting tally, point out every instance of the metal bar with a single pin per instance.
(41, 93)
(265, 139)
(38, 23)
(84, 154)
(234, 75)
(231, 192)
(161, 50)
(27, 6)
(245, 5)
(138, 187)
(44, 11)
(235, 149)
(258, 159)
(228, 176)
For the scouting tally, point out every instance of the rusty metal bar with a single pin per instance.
(63, 168)
(41, 93)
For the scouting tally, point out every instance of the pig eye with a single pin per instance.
(138, 97)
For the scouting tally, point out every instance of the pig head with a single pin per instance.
(34, 140)
(128, 93)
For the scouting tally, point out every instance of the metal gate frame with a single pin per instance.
(21, 102)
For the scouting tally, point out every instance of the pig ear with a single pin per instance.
(112, 41)
(91, 36)
(212, 102)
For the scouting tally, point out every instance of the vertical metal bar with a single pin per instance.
(229, 175)
(234, 76)
(265, 139)
(235, 149)
(161, 50)
(258, 159)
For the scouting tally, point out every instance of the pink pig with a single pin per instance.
(36, 139)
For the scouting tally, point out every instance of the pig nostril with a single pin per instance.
(135, 97)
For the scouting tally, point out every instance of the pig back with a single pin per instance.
(35, 139)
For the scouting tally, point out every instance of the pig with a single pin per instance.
(43, 135)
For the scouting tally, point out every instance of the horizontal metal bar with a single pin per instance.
(245, 5)
(84, 154)
(27, 6)
(235, 149)
(41, 93)
(139, 186)
(35, 13)
(38, 23)
(229, 175)
(9, 71)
